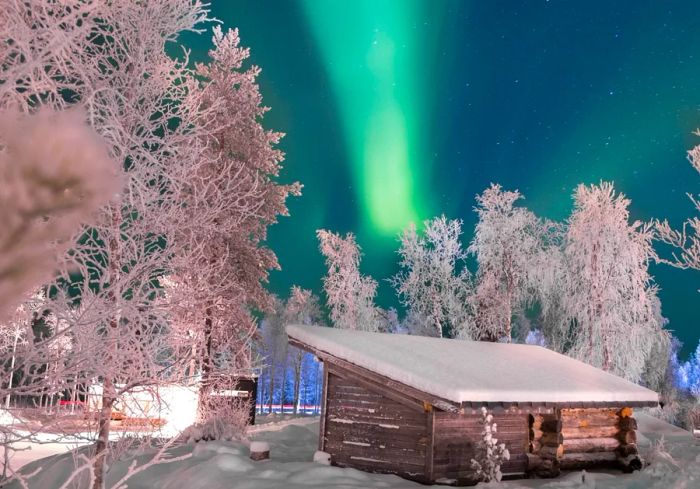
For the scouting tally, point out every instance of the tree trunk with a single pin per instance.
(319, 385)
(103, 429)
(193, 361)
(298, 359)
(108, 388)
(205, 384)
(271, 388)
(283, 385)
(12, 372)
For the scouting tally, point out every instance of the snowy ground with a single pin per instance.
(225, 465)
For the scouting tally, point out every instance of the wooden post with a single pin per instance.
(546, 444)
(259, 450)
(429, 449)
(324, 411)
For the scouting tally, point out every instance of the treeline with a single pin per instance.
(581, 287)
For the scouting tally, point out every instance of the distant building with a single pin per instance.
(410, 405)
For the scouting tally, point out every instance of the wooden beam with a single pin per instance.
(430, 450)
(324, 411)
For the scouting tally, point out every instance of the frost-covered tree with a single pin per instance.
(507, 238)
(546, 274)
(392, 323)
(274, 350)
(158, 118)
(15, 334)
(231, 196)
(687, 240)
(283, 363)
(434, 283)
(688, 374)
(302, 307)
(609, 295)
(349, 294)
(490, 454)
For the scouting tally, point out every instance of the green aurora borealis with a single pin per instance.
(399, 110)
(372, 61)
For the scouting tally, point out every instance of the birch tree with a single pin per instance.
(685, 241)
(302, 307)
(506, 240)
(14, 335)
(609, 295)
(547, 272)
(434, 283)
(349, 294)
(111, 60)
(274, 343)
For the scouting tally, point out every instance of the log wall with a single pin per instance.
(599, 438)
(580, 438)
(369, 431)
(456, 437)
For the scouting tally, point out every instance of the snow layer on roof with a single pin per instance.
(473, 371)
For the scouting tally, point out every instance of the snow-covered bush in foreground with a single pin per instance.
(490, 453)
(55, 173)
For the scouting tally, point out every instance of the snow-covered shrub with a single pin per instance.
(659, 459)
(227, 419)
(490, 453)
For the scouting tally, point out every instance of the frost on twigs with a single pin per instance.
(609, 295)
(686, 241)
(490, 453)
(434, 283)
(350, 295)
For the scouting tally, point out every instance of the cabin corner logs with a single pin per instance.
(371, 427)
(580, 438)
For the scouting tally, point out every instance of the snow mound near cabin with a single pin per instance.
(225, 465)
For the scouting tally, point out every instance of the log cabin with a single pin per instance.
(411, 406)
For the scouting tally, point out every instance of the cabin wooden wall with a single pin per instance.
(599, 437)
(367, 430)
(580, 438)
(373, 427)
(456, 437)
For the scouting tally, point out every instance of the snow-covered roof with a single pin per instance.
(474, 371)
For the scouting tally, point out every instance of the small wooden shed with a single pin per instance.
(411, 406)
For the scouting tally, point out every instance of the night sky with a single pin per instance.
(400, 110)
